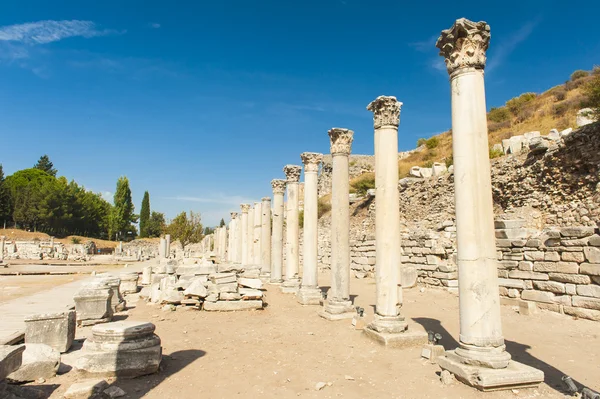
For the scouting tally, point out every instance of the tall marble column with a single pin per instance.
(250, 234)
(265, 237)
(338, 305)
(232, 257)
(216, 237)
(309, 292)
(292, 256)
(168, 245)
(257, 233)
(2, 244)
(161, 248)
(388, 326)
(481, 359)
(278, 187)
(244, 233)
(238, 239)
(223, 243)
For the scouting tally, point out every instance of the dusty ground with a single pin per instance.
(12, 287)
(286, 349)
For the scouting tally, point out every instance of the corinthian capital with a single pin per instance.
(464, 45)
(278, 186)
(386, 111)
(245, 208)
(292, 172)
(234, 215)
(341, 141)
(311, 161)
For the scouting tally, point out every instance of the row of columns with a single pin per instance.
(481, 358)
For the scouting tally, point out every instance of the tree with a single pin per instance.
(208, 231)
(222, 223)
(592, 92)
(145, 215)
(156, 225)
(5, 209)
(46, 165)
(186, 230)
(27, 189)
(122, 217)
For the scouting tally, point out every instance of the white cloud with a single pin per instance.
(43, 32)
(107, 195)
(425, 46)
(219, 199)
(155, 25)
(503, 49)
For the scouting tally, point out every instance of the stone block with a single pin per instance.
(408, 339)
(589, 314)
(572, 257)
(232, 306)
(552, 256)
(11, 358)
(445, 276)
(93, 305)
(556, 267)
(509, 224)
(196, 288)
(514, 293)
(222, 278)
(576, 231)
(251, 283)
(553, 307)
(512, 234)
(527, 308)
(586, 302)
(129, 282)
(502, 273)
(526, 265)
(551, 286)
(408, 276)
(594, 240)
(88, 389)
(171, 296)
(250, 294)
(432, 352)
(571, 289)
(229, 296)
(511, 283)
(589, 290)
(577, 242)
(570, 278)
(508, 264)
(446, 268)
(39, 361)
(126, 349)
(503, 243)
(538, 296)
(593, 269)
(592, 254)
(512, 256)
(56, 330)
(439, 169)
(528, 275)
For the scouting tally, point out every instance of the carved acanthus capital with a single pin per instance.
(278, 186)
(341, 141)
(245, 208)
(386, 111)
(234, 215)
(311, 161)
(464, 45)
(292, 172)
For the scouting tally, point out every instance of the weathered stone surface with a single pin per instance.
(250, 293)
(223, 278)
(512, 233)
(229, 296)
(551, 286)
(39, 361)
(570, 278)
(231, 306)
(572, 257)
(251, 283)
(528, 275)
(582, 313)
(589, 290)
(557, 267)
(88, 389)
(171, 296)
(129, 282)
(56, 330)
(593, 269)
(509, 224)
(408, 276)
(511, 283)
(538, 145)
(586, 302)
(592, 254)
(11, 358)
(594, 240)
(576, 231)
(552, 256)
(94, 304)
(534, 255)
(196, 288)
(538, 296)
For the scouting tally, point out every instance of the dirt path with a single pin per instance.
(286, 349)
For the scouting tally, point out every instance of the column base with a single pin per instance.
(337, 310)
(276, 281)
(309, 296)
(290, 286)
(488, 357)
(515, 375)
(392, 332)
(265, 276)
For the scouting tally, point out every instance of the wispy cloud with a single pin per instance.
(218, 199)
(155, 25)
(505, 47)
(43, 32)
(425, 46)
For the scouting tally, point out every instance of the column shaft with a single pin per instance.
(265, 236)
(244, 233)
(250, 234)
(277, 241)
(257, 233)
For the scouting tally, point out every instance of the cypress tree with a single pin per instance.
(145, 215)
(46, 165)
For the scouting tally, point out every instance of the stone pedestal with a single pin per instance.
(147, 275)
(265, 238)
(117, 301)
(124, 349)
(11, 358)
(481, 359)
(278, 187)
(338, 305)
(129, 283)
(93, 304)
(244, 233)
(292, 257)
(388, 326)
(57, 330)
(310, 293)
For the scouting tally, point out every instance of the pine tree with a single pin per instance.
(46, 165)
(5, 213)
(145, 215)
(222, 223)
(122, 217)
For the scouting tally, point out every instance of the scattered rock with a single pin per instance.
(115, 392)
(88, 389)
(39, 361)
(446, 377)
(320, 385)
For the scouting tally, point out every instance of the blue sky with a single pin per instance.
(202, 103)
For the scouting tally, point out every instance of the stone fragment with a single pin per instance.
(250, 293)
(537, 296)
(447, 377)
(538, 145)
(557, 267)
(589, 314)
(570, 278)
(551, 286)
(251, 283)
(197, 289)
(229, 296)
(125, 349)
(171, 296)
(586, 302)
(114, 391)
(222, 278)
(39, 361)
(129, 282)
(592, 254)
(593, 269)
(11, 358)
(589, 290)
(56, 330)
(512, 234)
(88, 389)
(584, 117)
(408, 276)
(527, 308)
(231, 306)
(576, 231)
(438, 169)
(511, 283)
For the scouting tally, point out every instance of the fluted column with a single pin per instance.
(265, 237)
(388, 325)
(338, 305)
(238, 239)
(292, 257)
(278, 187)
(232, 253)
(250, 234)
(481, 342)
(257, 233)
(309, 292)
(167, 245)
(244, 233)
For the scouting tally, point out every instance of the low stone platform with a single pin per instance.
(407, 339)
(56, 330)
(516, 375)
(11, 358)
(232, 306)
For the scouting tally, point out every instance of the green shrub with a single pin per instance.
(75, 240)
(579, 74)
(428, 164)
(495, 126)
(516, 104)
(560, 109)
(421, 142)
(430, 155)
(301, 218)
(524, 114)
(432, 142)
(591, 92)
(494, 153)
(559, 93)
(364, 183)
(499, 114)
(596, 70)
(323, 207)
(449, 161)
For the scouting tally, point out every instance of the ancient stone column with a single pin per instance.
(338, 305)
(265, 237)
(309, 292)
(238, 239)
(388, 326)
(292, 257)
(223, 243)
(233, 238)
(216, 237)
(257, 233)
(168, 245)
(161, 248)
(481, 359)
(244, 233)
(277, 241)
(2, 244)
(250, 234)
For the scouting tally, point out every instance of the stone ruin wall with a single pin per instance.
(43, 250)
(551, 253)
